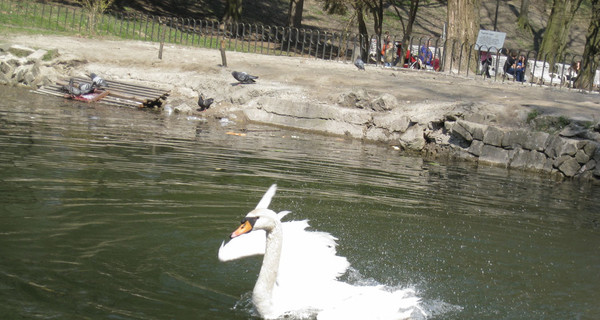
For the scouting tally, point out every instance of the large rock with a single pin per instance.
(515, 138)
(393, 122)
(475, 129)
(528, 159)
(493, 136)
(537, 141)
(476, 148)
(458, 130)
(413, 138)
(569, 167)
(385, 102)
(37, 56)
(492, 154)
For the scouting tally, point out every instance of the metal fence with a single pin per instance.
(272, 40)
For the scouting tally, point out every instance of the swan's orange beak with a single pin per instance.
(244, 228)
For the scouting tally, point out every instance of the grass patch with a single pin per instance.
(532, 115)
(51, 54)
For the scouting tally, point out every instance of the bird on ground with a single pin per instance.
(359, 64)
(97, 81)
(204, 103)
(86, 87)
(243, 77)
(71, 88)
(300, 271)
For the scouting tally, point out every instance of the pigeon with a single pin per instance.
(359, 64)
(97, 81)
(86, 87)
(243, 77)
(71, 88)
(204, 103)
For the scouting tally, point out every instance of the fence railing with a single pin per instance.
(275, 40)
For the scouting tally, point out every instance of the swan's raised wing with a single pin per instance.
(266, 199)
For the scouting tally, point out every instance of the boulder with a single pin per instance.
(37, 56)
(493, 136)
(461, 132)
(476, 148)
(413, 138)
(537, 141)
(492, 154)
(569, 167)
(528, 159)
(581, 157)
(394, 122)
(385, 102)
(515, 138)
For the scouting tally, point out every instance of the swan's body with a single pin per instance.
(300, 270)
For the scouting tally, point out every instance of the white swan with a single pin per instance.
(300, 270)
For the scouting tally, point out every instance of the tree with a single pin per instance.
(523, 21)
(295, 13)
(554, 41)
(463, 27)
(233, 11)
(94, 9)
(591, 52)
(412, 16)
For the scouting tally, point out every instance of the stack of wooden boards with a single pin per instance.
(117, 93)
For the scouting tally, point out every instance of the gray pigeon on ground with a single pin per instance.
(71, 88)
(97, 81)
(204, 103)
(359, 64)
(243, 77)
(86, 87)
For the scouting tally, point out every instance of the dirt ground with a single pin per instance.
(187, 71)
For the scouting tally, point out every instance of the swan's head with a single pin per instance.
(257, 219)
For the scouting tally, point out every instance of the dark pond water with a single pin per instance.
(110, 213)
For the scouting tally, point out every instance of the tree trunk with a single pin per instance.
(233, 11)
(523, 21)
(554, 40)
(362, 30)
(463, 27)
(295, 13)
(591, 53)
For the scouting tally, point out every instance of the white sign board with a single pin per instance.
(490, 40)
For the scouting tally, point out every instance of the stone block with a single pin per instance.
(515, 138)
(413, 138)
(553, 147)
(528, 159)
(37, 55)
(392, 122)
(6, 68)
(581, 157)
(537, 141)
(559, 160)
(569, 167)
(569, 147)
(459, 131)
(494, 155)
(590, 148)
(493, 136)
(476, 147)
(475, 129)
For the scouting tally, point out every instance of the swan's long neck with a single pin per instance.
(263, 289)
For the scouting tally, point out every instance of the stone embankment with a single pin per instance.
(25, 66)
(441, 129)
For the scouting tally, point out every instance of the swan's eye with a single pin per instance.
(251, 220)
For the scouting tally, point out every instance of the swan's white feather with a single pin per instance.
(308, 277)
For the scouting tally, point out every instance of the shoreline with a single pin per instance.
(545, 129)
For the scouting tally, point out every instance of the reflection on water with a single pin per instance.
(118, 213)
